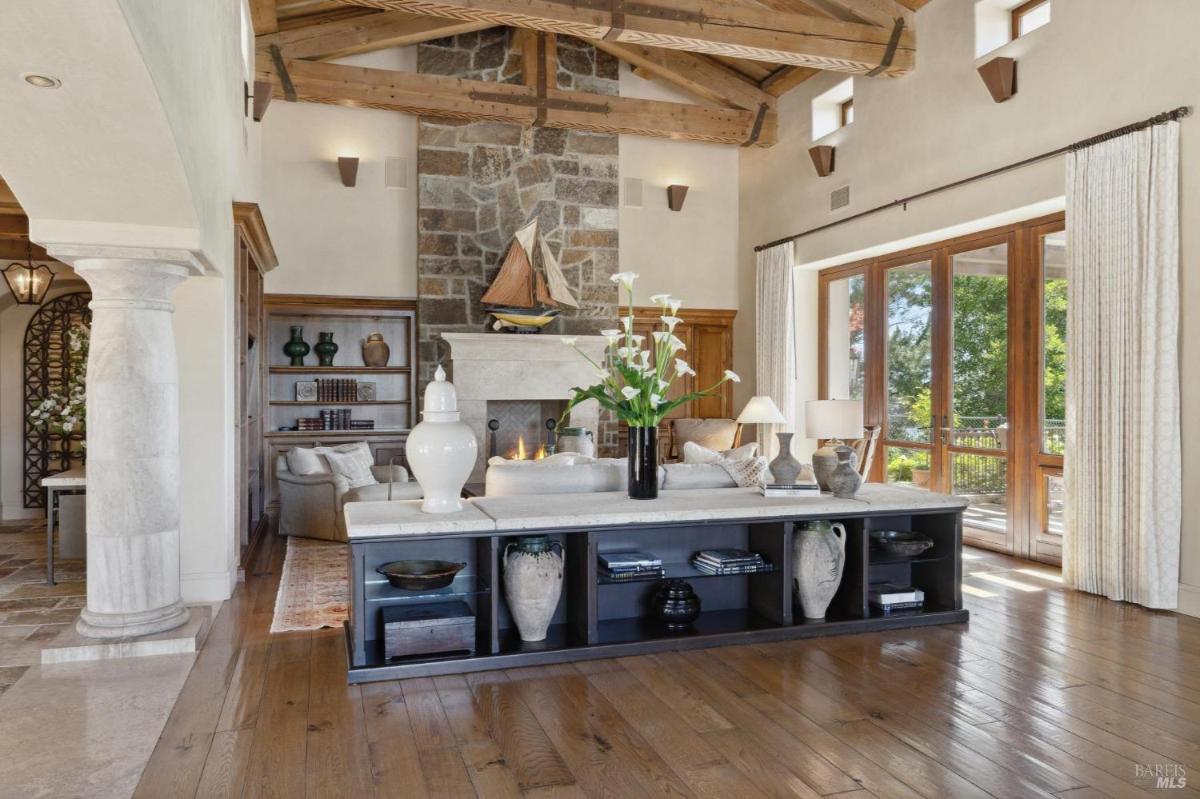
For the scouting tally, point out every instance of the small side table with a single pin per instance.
(72, 481)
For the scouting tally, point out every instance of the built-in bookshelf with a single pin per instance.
(389, 407)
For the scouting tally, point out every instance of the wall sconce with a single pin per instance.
(822, 158)
(1000, 77)
(348, 167)
(675, 196)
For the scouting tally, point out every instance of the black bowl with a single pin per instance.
(420, 575)
(901, 543)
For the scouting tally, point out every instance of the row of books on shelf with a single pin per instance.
(638, 565)
(334, 419)
(334, 389)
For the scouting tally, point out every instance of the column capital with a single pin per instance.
(70, 241)
(131, 282)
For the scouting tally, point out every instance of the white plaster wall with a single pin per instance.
(331, 239)
(939, 124)
(691, 253)
(195, 56)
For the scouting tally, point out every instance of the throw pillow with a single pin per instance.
(352, 461)
(747, 471)
(304, 461)
(696, 453)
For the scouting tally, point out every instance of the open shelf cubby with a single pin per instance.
(596, 617)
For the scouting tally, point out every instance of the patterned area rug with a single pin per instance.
(314, 590)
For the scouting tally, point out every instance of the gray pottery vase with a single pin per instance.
(845, 480)
(818, 558)
(533, 578)
(785, 468)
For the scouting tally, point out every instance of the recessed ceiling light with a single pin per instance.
(41, 81)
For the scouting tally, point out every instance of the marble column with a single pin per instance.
(132, 450)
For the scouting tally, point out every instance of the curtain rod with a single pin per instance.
(1157, 119)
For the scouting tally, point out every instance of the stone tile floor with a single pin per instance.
(31, 612)
(73, 729)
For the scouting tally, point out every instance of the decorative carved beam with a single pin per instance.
(435, 95)
(696, 74)
(736, 28)
(364, 34)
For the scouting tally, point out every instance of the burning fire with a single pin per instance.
(520, 453)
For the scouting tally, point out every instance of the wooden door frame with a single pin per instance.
(1027, 466)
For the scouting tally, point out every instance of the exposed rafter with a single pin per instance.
(695, 74)
(784, 79)
(364, 33)
(262, 16)
(730, 27)
(877, 12)
(433, 95)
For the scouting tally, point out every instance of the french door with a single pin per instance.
(956, 351)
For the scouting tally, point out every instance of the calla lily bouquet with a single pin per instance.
(634, 381)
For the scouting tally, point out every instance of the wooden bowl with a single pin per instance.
(420, 575)
(901, 543)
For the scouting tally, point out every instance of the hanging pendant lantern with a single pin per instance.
(28, 283)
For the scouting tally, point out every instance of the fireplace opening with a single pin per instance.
(522, 429)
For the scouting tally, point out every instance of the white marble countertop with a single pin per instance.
(550, 511)
(71, 478)
(405, 517)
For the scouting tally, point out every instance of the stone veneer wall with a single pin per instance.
(481, 181)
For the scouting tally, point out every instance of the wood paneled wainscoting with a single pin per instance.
(958, 350)
(1047, 693)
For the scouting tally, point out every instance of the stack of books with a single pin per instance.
(888, 599)
(630, 566)
(729, 561)
(804, 488)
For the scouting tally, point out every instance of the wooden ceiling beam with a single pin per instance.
(784, 79)
(695, 74)
(262, 16)
(457, 98)
(363, 34)
(883, 13)
(738, 28)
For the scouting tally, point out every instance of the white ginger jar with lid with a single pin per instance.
(441, 449)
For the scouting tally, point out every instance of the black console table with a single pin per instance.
(596, 618)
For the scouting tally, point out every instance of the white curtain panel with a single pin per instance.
(1122, 466)
(776, 351)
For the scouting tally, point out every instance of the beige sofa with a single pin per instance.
(560, 474)
(310, 505)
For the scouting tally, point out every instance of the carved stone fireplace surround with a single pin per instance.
(497, 366)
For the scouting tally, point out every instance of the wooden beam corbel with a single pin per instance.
(1000, 77)
(822, 158)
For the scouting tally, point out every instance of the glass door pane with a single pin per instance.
(976, 434)
(846, 338)
(910, 353)
(1054, 343)
(980, 356)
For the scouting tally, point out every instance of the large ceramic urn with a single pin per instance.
(441, 449)
(818, 558)
(533, 578)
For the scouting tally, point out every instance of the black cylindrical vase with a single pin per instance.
(643, 462)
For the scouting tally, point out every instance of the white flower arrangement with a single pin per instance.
(635, 382)
(64, 411)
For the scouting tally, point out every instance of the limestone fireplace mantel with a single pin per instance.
(507, 366)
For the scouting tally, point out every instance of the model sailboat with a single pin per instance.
(530, 289)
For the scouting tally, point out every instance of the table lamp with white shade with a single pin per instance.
(763, 410)
(835, 421)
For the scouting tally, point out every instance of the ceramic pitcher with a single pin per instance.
(533, 578)
(818, 558)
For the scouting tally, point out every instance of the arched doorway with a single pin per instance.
(48, 367)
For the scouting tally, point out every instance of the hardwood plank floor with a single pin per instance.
(1046, 693)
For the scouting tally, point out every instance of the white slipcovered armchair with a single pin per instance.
(311, 504)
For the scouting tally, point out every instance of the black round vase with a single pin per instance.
(675, 604)
(643, 462)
